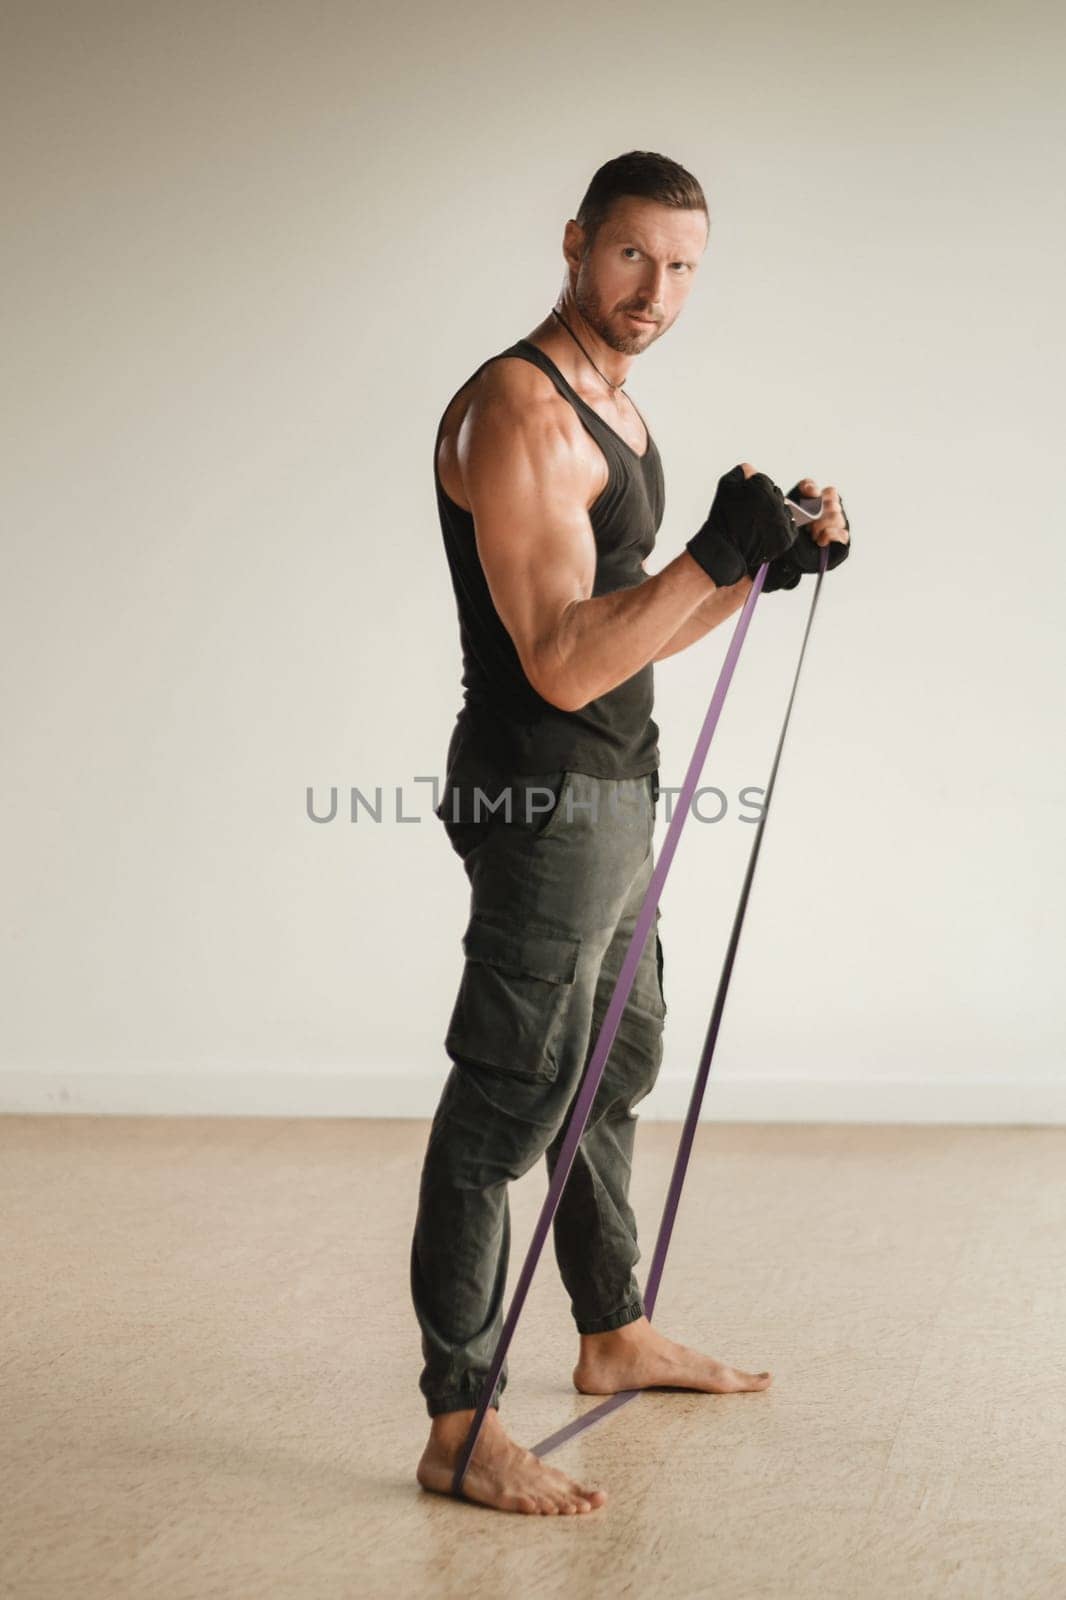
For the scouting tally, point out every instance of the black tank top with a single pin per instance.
(504, 723)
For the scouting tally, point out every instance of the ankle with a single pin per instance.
(601, 1344)
(450, 1428)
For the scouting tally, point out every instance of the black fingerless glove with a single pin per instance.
(786, 570)
(748, 523)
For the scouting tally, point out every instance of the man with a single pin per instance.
(550, 494)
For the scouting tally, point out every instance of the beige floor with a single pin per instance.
(208, 1365)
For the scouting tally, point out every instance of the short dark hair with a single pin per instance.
(644, 175)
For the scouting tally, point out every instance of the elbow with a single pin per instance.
(555, 688)
(550, 669)
(560, 695)
(572, 702)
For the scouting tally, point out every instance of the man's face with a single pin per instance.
(641, 266)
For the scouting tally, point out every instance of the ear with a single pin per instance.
(573, 244)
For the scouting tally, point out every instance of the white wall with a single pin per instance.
(251, 250)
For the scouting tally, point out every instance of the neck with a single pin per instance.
(581, 353)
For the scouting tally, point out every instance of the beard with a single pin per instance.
(628, 343)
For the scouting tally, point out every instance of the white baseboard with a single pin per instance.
(1033, 1102)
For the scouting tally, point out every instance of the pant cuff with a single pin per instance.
(459, 1400)
(617, 1319)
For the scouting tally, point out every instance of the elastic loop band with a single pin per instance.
(590, 1082)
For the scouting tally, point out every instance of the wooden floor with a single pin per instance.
(208, 1371)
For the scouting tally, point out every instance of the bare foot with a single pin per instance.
(638, 1356)
(501, 1473)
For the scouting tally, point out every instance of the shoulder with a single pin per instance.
(513, 390)
(518, 421)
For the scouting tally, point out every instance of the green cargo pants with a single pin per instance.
(556, 887)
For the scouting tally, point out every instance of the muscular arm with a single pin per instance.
(719, 604)
(530, 479)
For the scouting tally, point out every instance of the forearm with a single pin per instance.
(600, 642)
(719, 604)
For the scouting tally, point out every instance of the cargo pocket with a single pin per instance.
(510, 1012)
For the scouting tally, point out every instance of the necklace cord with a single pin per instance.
(614, 387)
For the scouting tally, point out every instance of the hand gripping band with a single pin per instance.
(586, 1094)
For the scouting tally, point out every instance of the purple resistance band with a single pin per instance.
(582, 1106)
(688, 1131)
